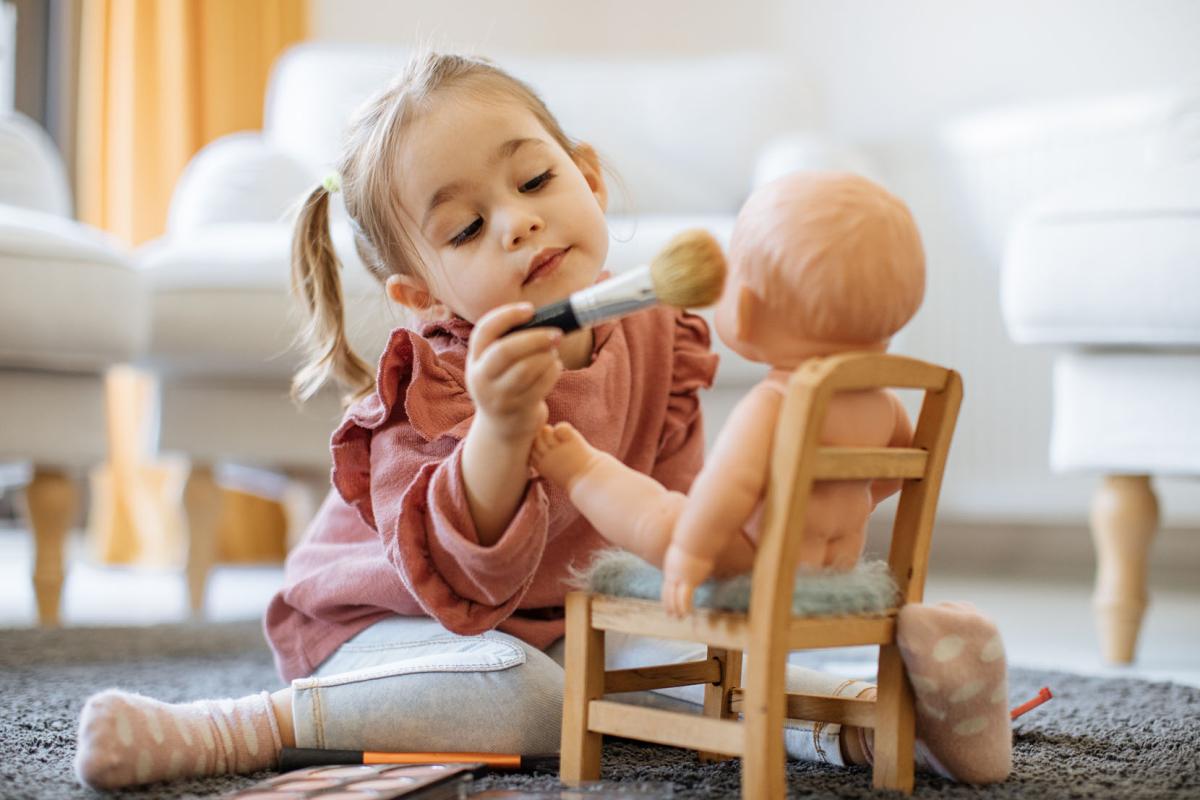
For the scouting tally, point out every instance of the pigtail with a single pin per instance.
(316, 282)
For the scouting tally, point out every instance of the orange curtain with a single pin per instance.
(159, 79)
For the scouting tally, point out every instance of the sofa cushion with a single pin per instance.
(69, 299)
(1110, 263)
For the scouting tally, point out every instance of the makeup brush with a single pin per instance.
(688, 273)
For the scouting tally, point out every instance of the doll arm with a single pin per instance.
(902, 436)
(723, 497)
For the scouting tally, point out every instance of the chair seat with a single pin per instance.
(867, 589)
(731, 629)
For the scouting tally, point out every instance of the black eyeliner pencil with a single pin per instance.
(293, 758)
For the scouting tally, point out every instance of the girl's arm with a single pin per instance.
(724, 495)
(508, 378)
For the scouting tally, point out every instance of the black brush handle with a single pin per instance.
(294, 758)
(559, 315)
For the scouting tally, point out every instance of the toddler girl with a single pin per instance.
(423, 610)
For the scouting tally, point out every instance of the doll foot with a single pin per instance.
(955, 660)
(561, 454)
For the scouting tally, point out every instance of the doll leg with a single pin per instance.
(630, 509)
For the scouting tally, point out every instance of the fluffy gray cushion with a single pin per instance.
(868, 588)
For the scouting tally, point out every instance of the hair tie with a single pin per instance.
(332, 183)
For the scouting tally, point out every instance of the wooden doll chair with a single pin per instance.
(769, 630)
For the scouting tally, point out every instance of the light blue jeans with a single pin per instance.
(407, 684)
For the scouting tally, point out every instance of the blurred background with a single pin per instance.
(970, 111)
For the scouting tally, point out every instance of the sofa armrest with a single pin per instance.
(799, 152)
(31, 171)
(237, 178)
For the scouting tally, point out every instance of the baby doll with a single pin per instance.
(820, 263)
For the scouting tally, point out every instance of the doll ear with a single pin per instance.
(747, 318)
(408, 291)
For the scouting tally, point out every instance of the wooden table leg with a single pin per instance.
(202, 502)
(51, 501)
(1124, 521)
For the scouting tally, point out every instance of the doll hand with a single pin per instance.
(682, 573)
(509, 377)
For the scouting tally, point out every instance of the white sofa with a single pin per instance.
(71, 305)
(688, 139)
(1102, 263)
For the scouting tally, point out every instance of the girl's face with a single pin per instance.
(498, 210)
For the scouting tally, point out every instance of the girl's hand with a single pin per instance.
(509, 376)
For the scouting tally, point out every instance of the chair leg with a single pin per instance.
(716, 695)
(765, 707)
(895, 724)
(51, 500)
(202, 502)
(583, 682)
(1124, 521)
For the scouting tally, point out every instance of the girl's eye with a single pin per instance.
(467, 233)
(538, 182)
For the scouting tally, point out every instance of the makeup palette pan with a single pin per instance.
(367, 782)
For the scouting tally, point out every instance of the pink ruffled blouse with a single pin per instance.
(396, 536)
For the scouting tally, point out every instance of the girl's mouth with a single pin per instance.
(546, 266)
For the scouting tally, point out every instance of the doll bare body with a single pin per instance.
(820, 264)
(713, 531)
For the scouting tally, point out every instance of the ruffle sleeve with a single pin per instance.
(693, 367)
(397, 462)
(412, 386)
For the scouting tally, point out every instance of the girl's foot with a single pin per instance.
(127, 739)
(562, 455)
(955, 660)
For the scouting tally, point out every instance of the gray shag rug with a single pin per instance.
(1098, 738)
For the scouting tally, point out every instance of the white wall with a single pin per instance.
(891, 75)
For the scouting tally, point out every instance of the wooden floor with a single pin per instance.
(1045, 619)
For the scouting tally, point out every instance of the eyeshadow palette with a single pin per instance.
(367, 782)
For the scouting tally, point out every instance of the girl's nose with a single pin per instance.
(520, 225)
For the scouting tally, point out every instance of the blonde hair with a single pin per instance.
(369, 187)
(832, 256)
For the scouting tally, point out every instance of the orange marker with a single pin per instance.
(1042, 696)
(293, 758)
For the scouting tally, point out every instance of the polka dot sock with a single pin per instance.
(127, 739)
(955, 660)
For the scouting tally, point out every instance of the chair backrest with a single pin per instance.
(798, 460)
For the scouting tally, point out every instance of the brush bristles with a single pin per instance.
(690, 271)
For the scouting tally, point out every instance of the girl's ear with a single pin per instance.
(409, 291)
(588, 161)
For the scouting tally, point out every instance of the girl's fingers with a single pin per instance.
(518, 384)
(494, 324)
(512, 350)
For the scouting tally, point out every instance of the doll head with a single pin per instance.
(820, 263)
